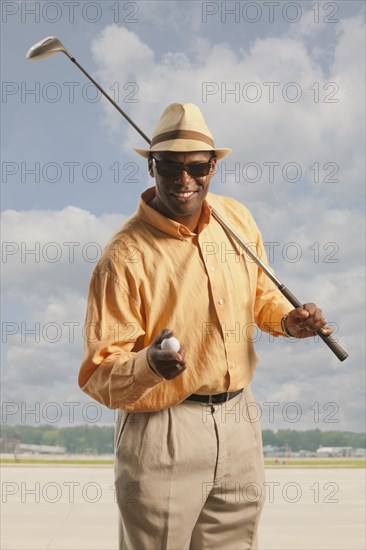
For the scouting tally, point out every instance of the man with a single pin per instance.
(189, 466)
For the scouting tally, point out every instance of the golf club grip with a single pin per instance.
(331, 343)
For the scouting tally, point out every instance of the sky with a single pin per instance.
(280, 83)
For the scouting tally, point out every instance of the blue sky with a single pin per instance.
(282, 84)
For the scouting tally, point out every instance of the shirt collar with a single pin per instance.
(164, 224)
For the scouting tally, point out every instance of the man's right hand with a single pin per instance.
(166, 363)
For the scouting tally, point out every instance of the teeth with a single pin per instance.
(184, 194)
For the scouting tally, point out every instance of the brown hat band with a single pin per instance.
(182, 134)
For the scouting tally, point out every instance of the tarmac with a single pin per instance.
(73, 508)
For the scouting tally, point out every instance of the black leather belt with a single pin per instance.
(215, 398)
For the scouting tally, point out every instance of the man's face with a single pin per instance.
(180, 197)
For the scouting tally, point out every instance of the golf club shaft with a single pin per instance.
(331, 343)
(328, 340)
(111, 100)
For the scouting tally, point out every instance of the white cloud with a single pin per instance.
(323, 126)
(327, 394)
(287, 392)
(43, 355)
(44, 251)
(40, 366)
(43, 331)
(53, 293)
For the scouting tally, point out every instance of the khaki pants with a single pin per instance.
(190, 477)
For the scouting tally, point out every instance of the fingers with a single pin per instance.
(327, 330)
(315, 319)
(167, 363)
(165, 333)
(306, 321)
(170, 364)
(181, 354)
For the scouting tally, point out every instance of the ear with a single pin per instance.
(213, 166)
(150, 165)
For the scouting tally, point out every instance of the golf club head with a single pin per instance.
(46, 47)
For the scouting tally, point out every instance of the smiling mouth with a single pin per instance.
(184, 196)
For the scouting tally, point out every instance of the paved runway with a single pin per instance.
(73, 508)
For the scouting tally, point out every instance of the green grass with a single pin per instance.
(316, 463)
(269, 462)
(56, 462)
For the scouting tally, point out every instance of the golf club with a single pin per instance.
(51, 45)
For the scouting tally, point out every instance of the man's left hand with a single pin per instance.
(304, 322)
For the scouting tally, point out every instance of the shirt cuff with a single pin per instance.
(274, 326)
(144, 373)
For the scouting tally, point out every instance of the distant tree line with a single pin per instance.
(311, 440)
(99, 439)
(76, 439)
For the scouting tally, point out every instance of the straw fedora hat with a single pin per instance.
(182, 128)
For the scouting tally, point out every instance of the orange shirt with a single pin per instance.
(154, 274)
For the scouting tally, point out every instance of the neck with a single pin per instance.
(189, 221)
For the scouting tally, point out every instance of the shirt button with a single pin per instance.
(212, 268)
(220, 302)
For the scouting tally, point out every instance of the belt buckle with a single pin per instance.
(227, 397)
(210, 400)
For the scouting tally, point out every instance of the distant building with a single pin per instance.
(12, 445)
(360, 453)
(272, 450)
(335, 451)
(42, 449)
(304, 453)
(9, 444)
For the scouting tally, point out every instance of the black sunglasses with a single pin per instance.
(168, 169)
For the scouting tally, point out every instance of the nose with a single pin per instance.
(183, 177)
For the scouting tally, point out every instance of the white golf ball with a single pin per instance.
(171, 344)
